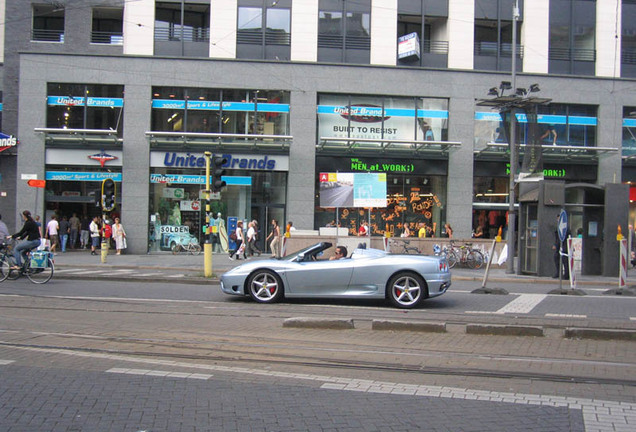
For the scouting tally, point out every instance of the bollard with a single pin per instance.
(104, 250)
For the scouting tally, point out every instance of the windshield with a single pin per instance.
(313, 248)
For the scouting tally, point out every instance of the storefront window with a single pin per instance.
(256, 189)
(225, 111)
(85, 106)
(629, 131)
(380, 117)
(415, 195)
(561, 124)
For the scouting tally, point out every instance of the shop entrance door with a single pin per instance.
(264, 214)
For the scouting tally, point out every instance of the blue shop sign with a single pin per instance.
(82, 176)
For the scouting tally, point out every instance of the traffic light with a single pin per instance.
(108, 195)
(217, 173)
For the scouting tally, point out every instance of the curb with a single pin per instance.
(331, 324)
(503, 330)
(600, 334)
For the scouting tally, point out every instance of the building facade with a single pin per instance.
(293, 91)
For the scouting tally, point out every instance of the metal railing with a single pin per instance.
(189, 34)
(107, 38)
(45, 35)
(576, 54)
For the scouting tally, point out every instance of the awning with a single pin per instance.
(219, 141)
(370, 146)
(501, 151)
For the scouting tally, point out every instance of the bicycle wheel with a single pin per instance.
(452, 259)
(195, 249)
(39, 275)
(474, 259)
(175, 248)
(5, 268)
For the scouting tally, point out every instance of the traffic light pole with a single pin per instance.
(207, 246)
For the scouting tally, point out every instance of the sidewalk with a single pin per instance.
(193, 267)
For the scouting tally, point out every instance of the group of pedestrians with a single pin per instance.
(246, 242)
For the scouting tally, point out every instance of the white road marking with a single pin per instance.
(5, 362)
(553, 315)
(168, 374)
(175, 276)
(523, 304)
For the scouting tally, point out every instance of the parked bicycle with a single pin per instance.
(38, 266)
(465, 254)
(193, 248)
(405, 248)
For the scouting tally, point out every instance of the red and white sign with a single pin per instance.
(7, 141)
(187, 205)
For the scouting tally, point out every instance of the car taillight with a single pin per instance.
(443, 266)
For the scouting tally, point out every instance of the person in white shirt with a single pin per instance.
(94, 230)
(251, 239)
(52, 232)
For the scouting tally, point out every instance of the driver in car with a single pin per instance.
(340, 253)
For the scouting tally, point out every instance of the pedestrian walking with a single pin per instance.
(240, 242)
(120, 236)
(275, 236)
(75, 225)
(65, 230)
(85, 223)
(251, 239)
(52, 232)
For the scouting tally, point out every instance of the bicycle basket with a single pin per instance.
(40, 259)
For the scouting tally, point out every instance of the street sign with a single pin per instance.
(562, 227)
(37, 183)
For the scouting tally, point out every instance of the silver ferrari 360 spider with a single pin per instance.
(368, 273)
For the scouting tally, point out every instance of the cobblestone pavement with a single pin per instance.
(107, 393)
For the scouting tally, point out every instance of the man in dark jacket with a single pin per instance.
(31, 231)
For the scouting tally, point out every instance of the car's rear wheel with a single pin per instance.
(406, 290)
(265, 286)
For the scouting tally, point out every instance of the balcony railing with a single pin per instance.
(435, 47)
(576, 54)
(255, 37)
(107, 38)
(45, 35)
(350, 42)
(493, 49)
(190, 34)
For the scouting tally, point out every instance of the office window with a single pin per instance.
(428, 20)
(264, 29)
(493, 35)
(344, 31)
(572, 37)
(48, 23)
(628, 39)
(182, 29)
(107, 26)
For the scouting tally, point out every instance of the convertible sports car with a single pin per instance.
(369, 273)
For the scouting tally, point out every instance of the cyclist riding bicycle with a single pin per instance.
(29, 230)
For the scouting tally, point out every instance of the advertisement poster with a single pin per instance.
(353, 189)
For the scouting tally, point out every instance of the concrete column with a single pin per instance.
(461, 34)
(384, 32)
(135, 167)
(139, 27)
(459, 191)
(302, 160)
(608, 38)
(535, 35)
(223, 25)
(304, 31)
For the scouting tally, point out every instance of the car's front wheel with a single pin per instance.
(265, 286)
(406, 290)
